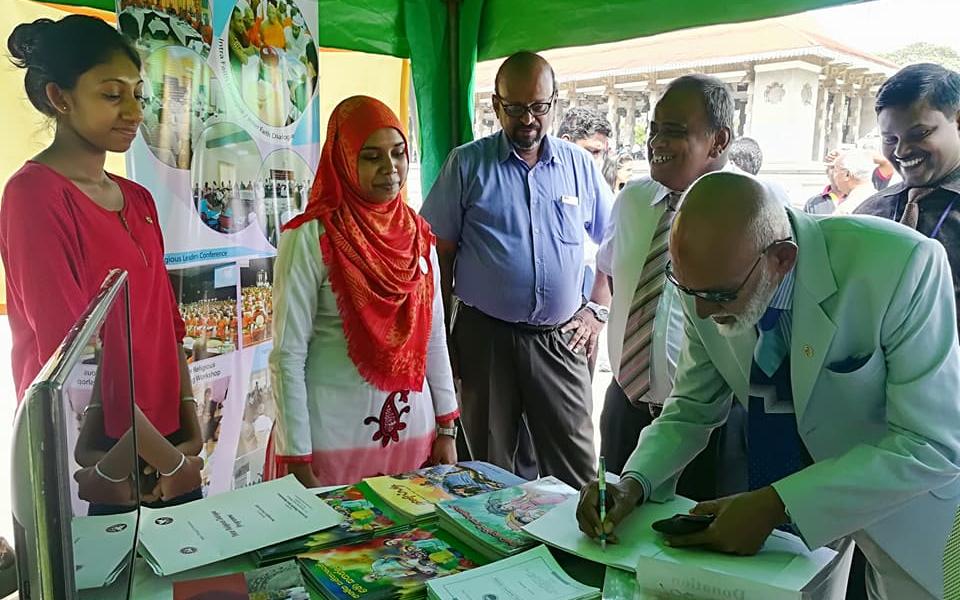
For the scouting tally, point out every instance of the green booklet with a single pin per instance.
(365, 516)
(388, 567)
(491, 523)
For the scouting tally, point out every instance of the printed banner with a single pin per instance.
(228, 148)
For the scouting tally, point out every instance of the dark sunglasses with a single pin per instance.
(720, 297)
(537, 109)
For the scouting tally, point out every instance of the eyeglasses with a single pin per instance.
(537, 109)
(719, 297)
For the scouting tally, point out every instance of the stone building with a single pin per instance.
(798, 93)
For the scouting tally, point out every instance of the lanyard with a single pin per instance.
(943, 218)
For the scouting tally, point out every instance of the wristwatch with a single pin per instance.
(601, 312)
(451, 432)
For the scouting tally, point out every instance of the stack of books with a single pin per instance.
(415, 495)
(365, 516)
(392, 567)
(491, 523)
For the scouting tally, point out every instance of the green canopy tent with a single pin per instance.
(444, 39)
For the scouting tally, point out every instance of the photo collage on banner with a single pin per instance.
(228, 147)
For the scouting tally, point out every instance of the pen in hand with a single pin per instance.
(602, 487)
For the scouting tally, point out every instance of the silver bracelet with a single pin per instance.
(183, 460)
(96, 468)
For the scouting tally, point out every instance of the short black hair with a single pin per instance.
(61, 51)
(716, 98)
(582, 123)
(745, 153)
(522, 57)
(939, 86)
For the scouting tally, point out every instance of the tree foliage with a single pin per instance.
(920, 52)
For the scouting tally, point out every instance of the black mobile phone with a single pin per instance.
(681, 524)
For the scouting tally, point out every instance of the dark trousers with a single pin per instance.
(511, 371)
(719, 470)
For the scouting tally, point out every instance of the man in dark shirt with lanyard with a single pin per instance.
(919, 114)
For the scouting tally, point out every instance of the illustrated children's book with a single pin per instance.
(365, 516)
(415, 494)
(392, 566)
(491, 523)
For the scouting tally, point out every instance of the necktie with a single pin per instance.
(911, 212)
(951, 563)
(771, 347)
(634, 374)
(774, 448)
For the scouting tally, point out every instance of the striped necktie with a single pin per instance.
(634, 375)
(951, 563)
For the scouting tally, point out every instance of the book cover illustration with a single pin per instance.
(363, 519)
(496, 519)
(282, 581)
(417, 492)
(392, 566)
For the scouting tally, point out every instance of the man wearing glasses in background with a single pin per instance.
(511, 213)
(838, 335)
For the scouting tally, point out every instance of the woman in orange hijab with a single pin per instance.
(359, 365)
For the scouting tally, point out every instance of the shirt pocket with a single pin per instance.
(860, 378)
(569, 220)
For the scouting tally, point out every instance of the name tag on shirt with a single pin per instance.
(571, 200)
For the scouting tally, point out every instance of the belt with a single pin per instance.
(525, 327)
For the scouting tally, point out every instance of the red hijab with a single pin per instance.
(377, 255)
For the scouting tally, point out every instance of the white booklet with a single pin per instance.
(784, 562)
(637, 539)
(101, 548)
(226, 525)
(530, 575)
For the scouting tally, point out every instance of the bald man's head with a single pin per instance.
(524, 98)
(729, 248)
(522, 66)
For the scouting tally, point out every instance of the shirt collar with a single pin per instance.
(951, 183)
(505, 150)
(783, 297)
(664, 191)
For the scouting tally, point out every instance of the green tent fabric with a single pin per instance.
(487, 29)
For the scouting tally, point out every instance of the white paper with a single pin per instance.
(202, 532)
(531, 575)
(783, 563)
(637, 539)
(780, 570)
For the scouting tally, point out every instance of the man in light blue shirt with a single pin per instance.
(511, 212)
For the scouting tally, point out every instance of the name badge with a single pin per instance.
(571, 200)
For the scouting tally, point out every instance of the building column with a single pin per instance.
(839, 119)
(853, 123)
(748, 109)
(574, 101)
(627, 137)
(820, 133)
(613, 111)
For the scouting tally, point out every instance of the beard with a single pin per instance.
(754, 309)
(521, 143)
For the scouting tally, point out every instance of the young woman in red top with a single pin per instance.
(64, 224)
